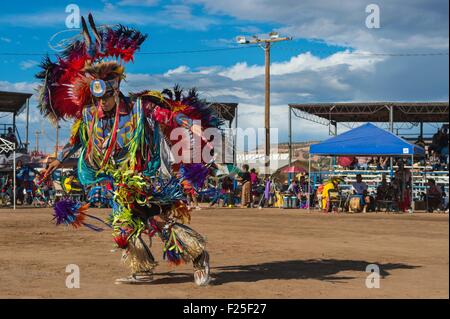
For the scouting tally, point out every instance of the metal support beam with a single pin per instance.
(267, 106)
(235, 137)
(26, 129)
(412, 184)
(290, 136)
(14, 179)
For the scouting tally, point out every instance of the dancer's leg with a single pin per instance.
(141, 262)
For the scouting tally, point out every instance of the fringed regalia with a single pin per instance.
(126, 149)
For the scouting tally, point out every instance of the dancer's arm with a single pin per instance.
(69, 149)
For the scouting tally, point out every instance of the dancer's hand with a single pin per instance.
(51, 168)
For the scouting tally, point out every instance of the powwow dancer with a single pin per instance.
(122, 142)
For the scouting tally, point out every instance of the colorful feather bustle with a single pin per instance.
(69, 212)
(195, 173)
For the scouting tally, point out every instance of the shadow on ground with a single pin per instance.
(319, 269)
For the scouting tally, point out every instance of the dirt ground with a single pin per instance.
(268, 253)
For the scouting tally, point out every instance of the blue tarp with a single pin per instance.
(369, 140)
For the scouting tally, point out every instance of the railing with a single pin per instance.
(20, 146)
(373, 178)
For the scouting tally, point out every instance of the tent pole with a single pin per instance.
(426, 196)
(309, 182)
(290, 136)
(412, 183)
(14, 178)
(391, 128)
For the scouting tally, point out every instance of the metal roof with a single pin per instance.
(412, 112)
(226, 111)
(13, 102)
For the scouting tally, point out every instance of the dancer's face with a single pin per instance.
(108, 101)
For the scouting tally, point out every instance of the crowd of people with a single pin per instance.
(436, 157)
(393, 195)
(32, 189)
(245, 189)
(29, 190)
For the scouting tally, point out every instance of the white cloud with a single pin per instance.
(407, 24)
(177, 16)
(304, 62)
(28, 64)
(4, 39)
(139, 3)
(22, 87)
(179, 70)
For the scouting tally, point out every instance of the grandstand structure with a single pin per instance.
(13, 103)
(228, 114)
(393, 116)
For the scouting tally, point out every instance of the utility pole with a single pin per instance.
(265, 44)
(37, 133)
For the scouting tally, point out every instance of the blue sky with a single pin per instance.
(213, 31)
(328, 60)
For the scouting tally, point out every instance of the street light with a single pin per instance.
(273, 37)
(241, 40)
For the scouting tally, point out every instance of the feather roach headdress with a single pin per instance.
(66, 82)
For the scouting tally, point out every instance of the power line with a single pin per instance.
(140, 53)
(419, 54)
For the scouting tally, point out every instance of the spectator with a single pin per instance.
(443, 145)
(293, 188)
(435, 161)
(403, 179)
(303, 184)
(360, 188)
(420, 141)
(331, 185)
(363, 162)
(227, 189)
(245, 179)
(382, 189)
(433, 195)
(10, 136)
(253, 176)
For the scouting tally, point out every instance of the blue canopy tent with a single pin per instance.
(366, 140)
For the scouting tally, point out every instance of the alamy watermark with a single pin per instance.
(373, 19)
(373, 279)
(197, 145)
(73, 279)
(74, 17)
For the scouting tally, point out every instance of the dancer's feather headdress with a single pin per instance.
(66, 82)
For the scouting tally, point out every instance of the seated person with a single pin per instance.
(386, 192)
(327, 187)
(10, 136)
(433, 196)
(435, 161)
(382, 189)
(360, 188)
